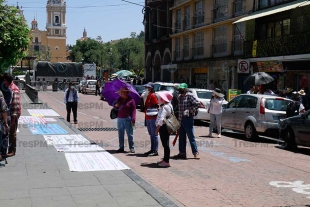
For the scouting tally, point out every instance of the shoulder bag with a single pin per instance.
(113, 113)
(172, 123)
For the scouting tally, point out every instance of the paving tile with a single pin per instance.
(24, 202)
(53, 201)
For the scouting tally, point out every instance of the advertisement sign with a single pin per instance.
(243, 66)
(232, 93)
(270, 66)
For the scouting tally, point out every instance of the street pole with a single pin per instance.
(128, 64)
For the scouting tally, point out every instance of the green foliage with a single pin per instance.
(13, 36)
(112, 55)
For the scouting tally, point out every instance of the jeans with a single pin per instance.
(71, 106)
(164, 137)
(151, 128)
(187, 128)
(218, 119)
(122, 125)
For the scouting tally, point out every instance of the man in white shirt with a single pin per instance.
(71, 99)
(252, 90)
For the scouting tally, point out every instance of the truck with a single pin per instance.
(71, 71)
(89, 70)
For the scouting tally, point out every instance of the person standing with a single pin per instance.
(215, 110)
(71, 99)
(126, 119)
(211, 85)
(161, 128)
(15, 112)
(151, 103)
(97, 87)
(252, 90)
(187, 105)
(4, 129)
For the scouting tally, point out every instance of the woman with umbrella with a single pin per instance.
(126, 118)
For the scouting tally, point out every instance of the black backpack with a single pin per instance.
(292, 109)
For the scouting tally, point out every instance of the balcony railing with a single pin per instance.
(293, 44)
(237, 47)
(186, 54)
(177, 28)
(186, 24)
(177, 55)
(179, 2)
(219, 50)
(198, 52)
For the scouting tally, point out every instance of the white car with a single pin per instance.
(89, 87)
(204, 96)
(159, 86)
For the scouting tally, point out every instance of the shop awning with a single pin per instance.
(274, 10)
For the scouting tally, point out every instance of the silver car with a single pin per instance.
(254, 114)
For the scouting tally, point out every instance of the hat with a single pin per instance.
(149, 85)
(217, 92)
(122, 89)
(183, 85)
(165, 95)
(302, 93)
(288, 90)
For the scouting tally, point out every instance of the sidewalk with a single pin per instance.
(40, 176)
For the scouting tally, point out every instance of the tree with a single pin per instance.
(14, 38)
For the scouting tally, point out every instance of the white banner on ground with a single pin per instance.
(42, 112)
(98, 161)
(68, 139)
(50, 119)
(78, 148)
(31, 120)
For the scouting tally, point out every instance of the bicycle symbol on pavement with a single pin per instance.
(297, 186)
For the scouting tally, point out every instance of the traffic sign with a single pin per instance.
(243, 66)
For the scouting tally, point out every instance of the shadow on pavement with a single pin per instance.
(150, 165)
(299, 150)
(137, 155)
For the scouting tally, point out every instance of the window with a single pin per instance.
(178, 21)
(199, 13)
(36, 48)
(56, 31)
(238, 7)
(36, 40)
(220, 10)
(235, 102)
(198, 44)
(178, 48)
(186, 47)
(248, 102)
(187, 18)
(268, 3)
(220, 41)
(277, 29)
(239, 35)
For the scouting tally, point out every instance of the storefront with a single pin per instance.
(200, 78)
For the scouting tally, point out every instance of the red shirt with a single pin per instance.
(150, 102)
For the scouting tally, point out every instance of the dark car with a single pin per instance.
(295, 131)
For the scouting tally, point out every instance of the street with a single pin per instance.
(231, 172)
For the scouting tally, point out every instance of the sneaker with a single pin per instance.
(132, 150)
(153, 154)
(180, 156)
(120, 151)
(75, 122)
(197, 156)
(219, 136)
(149, 152)
(164, 164)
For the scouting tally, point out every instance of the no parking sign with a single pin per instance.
(243, 66)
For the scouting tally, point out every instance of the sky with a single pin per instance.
(110, 19)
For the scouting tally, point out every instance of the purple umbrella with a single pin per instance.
(110, 89)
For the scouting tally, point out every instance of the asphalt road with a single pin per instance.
(231, 172)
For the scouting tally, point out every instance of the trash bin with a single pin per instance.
(54, 86)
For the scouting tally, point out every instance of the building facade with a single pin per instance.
(158, 27)
(50, 43)
(206, 44)
(278, 41)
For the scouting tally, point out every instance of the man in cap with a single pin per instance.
(187, 105)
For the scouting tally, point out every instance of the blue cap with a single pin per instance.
(149, 85)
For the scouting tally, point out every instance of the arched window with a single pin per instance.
(36, 40)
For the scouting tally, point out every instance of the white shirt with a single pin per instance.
(301, 107)
(163, 112)
(216, 105)
(250, 92)
(70, 98)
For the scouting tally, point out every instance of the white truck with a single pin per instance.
(89, 71)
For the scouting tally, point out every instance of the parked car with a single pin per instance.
(80, 86)
(204, 96)
(295, 131)
(140, 89)
(254, 114)
(89, 87)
